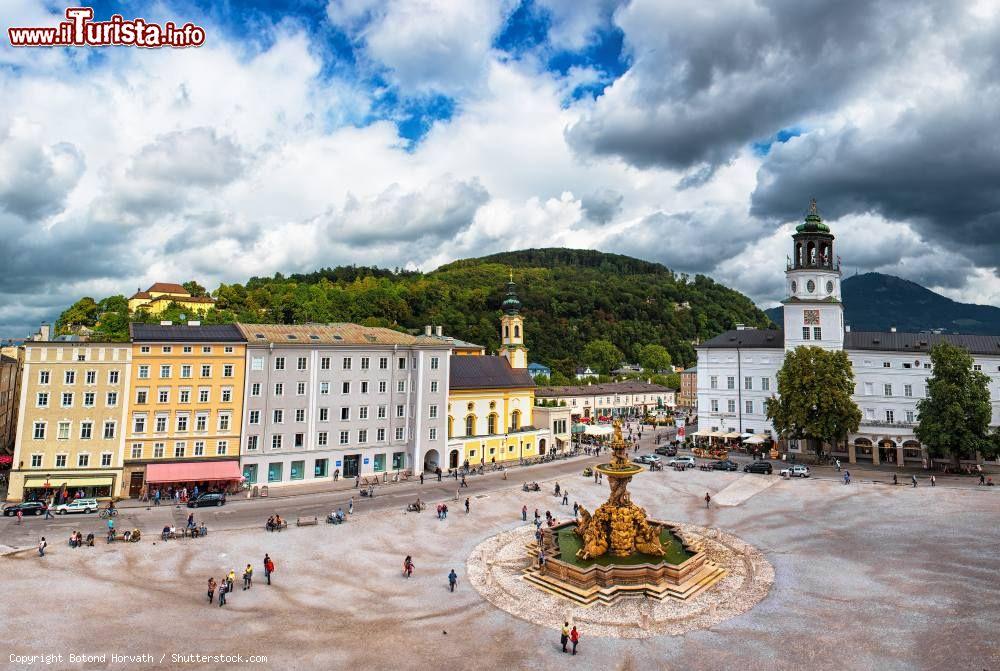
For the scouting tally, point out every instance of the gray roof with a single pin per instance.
(919, 342)
(758, 338)
(487, 372)
(692, 369)
(185, 333)
(631, 387)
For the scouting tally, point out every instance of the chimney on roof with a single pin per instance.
(847, 328)
(45, 331)
(892, 329)
(741, 327)
(427, 329)
(439, 330)
(166, 322)
(194, 322)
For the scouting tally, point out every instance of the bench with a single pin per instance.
(277, 527)
(306, 521)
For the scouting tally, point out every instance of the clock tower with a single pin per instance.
(814, 313)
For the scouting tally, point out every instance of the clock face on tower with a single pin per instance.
(810, 317)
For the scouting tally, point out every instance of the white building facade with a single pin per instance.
(340, 400)
(737, 370)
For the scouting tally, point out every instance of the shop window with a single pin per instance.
(274, 472)
(298, 470)
(379, 462)
(321, 467)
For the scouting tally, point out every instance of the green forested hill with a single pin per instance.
(570, 298)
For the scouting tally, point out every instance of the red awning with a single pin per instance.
(194, 471)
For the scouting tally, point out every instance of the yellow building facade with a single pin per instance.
(156, 298)
(491, 401)
(186, 407)
(71, 417)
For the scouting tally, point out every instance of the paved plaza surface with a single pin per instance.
(867, 576)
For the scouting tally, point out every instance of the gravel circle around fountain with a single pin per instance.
(495, 568)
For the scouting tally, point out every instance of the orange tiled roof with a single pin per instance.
(168, 287)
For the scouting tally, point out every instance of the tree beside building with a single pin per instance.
(814, 397)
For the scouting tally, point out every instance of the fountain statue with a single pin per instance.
(618, 526)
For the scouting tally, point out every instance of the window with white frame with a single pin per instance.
(300, 414)
(400, 434)
(227, 395)
(382, 411)
(36, 461)
(164, 395)
(279, 388)
(401, 363)
(82, 460)
(185, 371)
(143, 372)
(67, 399)
(382, 386)
(257, 363)
(206, 370)
(221, 447)
(184, 396)
(161, 423)
(86, 430)
(111, 399)
(362, 436)
(90, 377)
(105, 459)
(252, 442)
(69, 377)
(765, 383)
(136, 451)
(731, 382)
(42, 399)
(321, 438)
(324, 414)
(365, 363)
(278, 417)
(748, 383)
(345, 437)
(300, 364)
(165, 370)
(324, 363)
(401, 386)
(908, 390)
(204, 394)
(276, 442)
(138, 424)
(432, 412)
(61, 460)
(43, 376)
(255, 389)
(182, 422)
(887, 390)
(201, 421)
(199, 448)
(345, 387)
(748, 407)
(433, 434)
(179, 449)
(324, 388)
(113, 377)
(224, 421)
(714, 404)
(279, 363)
(345, 414)
(227, 370)
(109, 429)
(380, 435)
(300, 389)
(158, 449)
(363, 412)
(63, 430)
(731, 405)
(383, 363)
(88, 399)
(167, 349)
(434, 386)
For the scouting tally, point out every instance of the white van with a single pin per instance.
(78, 506)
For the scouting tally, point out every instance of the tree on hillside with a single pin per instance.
(955, 415)
(601, 354)
(814, 397)
(82, 313)
(194, 288)
(654, 358)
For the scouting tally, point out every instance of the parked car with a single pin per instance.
(208, 499)
(759, 467)
(26, 508)
(78, 506)
(681, 460)
(647, 459)
(725, 465)
(796, 471)
(666, 450)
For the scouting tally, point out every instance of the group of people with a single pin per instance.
(275, 523)
(409, 567)
(227, 585)
(77, 540)
(442, 511)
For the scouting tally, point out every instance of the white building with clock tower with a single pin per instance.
(737, 370)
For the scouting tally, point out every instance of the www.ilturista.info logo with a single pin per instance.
(80, 30)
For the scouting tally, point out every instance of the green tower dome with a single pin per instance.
(511, 305)
(813, 223)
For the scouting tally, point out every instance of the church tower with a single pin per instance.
(512, 329)
(814, 313)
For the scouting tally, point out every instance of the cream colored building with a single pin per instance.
(156, 298)
(70, 434)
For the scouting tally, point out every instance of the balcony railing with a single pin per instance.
(882, 422)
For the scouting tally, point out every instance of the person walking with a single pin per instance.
(913, 480)
(357, 481)
(211, 590)
(350, 506)
(222, 593)
(20, 517)
(524, 513)
(576, 508)
(466, 505)
(982, 479)
(464, 483)
(421, 477)
(268, 568)
(708, 499)
(452, 580)
(41, 547)
(574, 636)
(933, 481)
(564, 635)
(156, 498)
(408, 566)
(48, 512)
(231, 581)
(557, 489)
(444, 510)
(247, 577)
(895, 480)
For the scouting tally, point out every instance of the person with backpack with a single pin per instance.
(268, 567)
(452, 580)
(248, 577)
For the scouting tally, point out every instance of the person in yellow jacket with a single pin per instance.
(247, 577)
(230, 580)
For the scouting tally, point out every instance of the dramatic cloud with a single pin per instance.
(409, 134)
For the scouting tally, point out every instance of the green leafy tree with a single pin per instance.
(559, 380)
(82, 313)
(603, 355)
(955, 415)
(814, 397)
(654, 358)
(194, 288)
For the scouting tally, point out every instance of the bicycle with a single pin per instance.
(105, 513)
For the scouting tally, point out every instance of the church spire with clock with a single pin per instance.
(512, 329)
(814, 313)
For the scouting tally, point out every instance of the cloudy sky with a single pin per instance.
(414, 132)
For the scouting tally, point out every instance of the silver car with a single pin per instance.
(796, 471)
